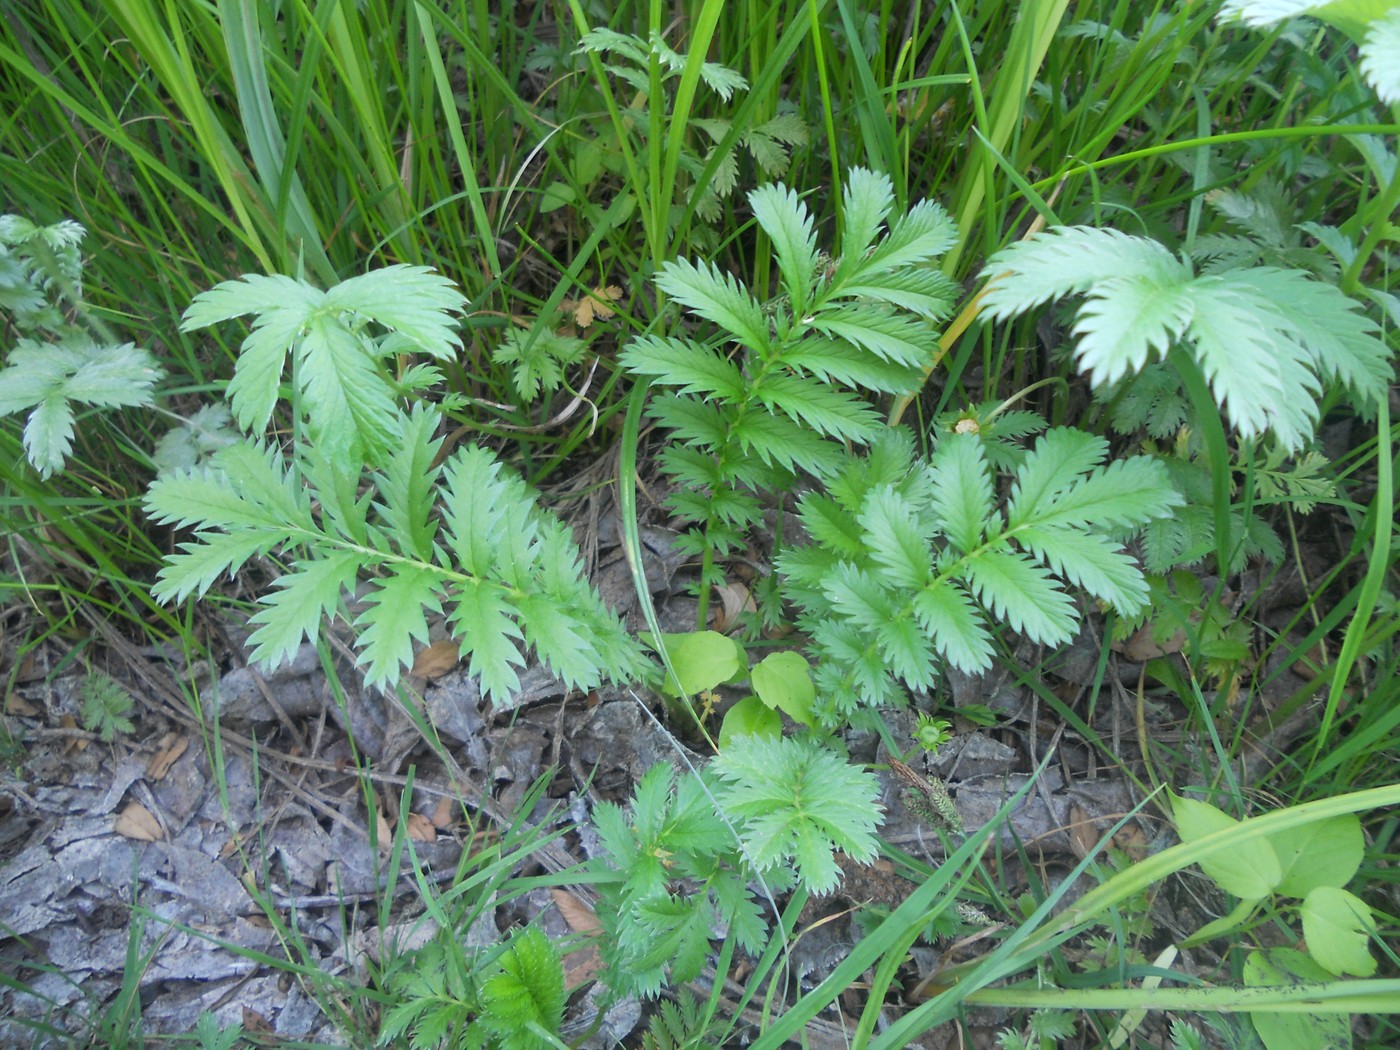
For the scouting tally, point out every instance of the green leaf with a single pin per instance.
(294, 610)
(898, 537)
(798, 803)
(834, 413)
(1288, 1030)
(1125, 494)
(717, 297)
(409, 485)
(1068, 260)
(560, 638)
(1250, 870)
(48, 434)
(702, 661)
(1055, 466)
(1090, 562)
(1338, 927)
(900, 340)
(393, 620)
(413, 301)
(842, 363)
(194, 570)
(350, 407)
(688, 366)
(749, 717)
(528, 993)
(1022, 594)
(783, 216)
(483, 620)
(784, 680)
(868, 199)
(1380, 57)
(269, 297)
(962, 494)
(257, 374)
(1320, 853)
(954, 625)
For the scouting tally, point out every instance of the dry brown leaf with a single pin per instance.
(386, 836)
(168, 752)
(420, 828)
(1082, 835)
(444, 813)
(580, 917)
(77, 743)
(596, 305)
(19, 707)
(1140, 647)
(136, 822)
(581, 966)
(735, 599)
(436, 660)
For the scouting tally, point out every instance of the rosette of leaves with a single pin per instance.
(912, 564)
(685, 854)
(773, 389)
(513, 1002)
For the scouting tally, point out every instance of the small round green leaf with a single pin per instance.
(784, 681)
(703, 660)
(1249, 870)
(1338, 925)
(749, 717)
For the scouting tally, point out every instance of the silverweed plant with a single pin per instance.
(364, 506)
(787, 383)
